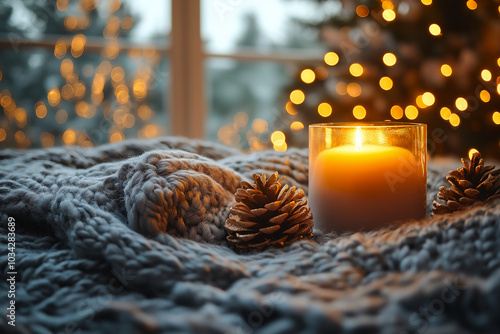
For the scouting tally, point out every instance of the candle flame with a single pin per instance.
(358, 138)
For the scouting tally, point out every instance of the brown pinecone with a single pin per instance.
(267, 213)
(470, 184)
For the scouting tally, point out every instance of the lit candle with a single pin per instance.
(361, 186)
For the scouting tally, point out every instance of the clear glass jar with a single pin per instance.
(363, 176)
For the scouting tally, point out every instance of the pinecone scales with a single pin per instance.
(470, 184)
(267, 213)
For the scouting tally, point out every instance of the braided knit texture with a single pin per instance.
(129, 238)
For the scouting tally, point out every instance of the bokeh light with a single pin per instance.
(308, 76)
(324, 109)
(397, 112)
(331, 58)
(389, 59)
(297, 96)
(385, 83)
(359, 112)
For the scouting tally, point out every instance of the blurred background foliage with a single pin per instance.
(86, 72)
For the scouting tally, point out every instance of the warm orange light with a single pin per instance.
(62, 5)
(60, 49)
(426, 2)
(387, 4)
(324, 109)
(144, 112)
(356, 70)
(359, 112)
(116, 137)
(290, 108)
(150, 131)
(19, 137)
(454, 120)
(67, 92)
(341, 88)
(297, 96)
(435, 29)
(278, 138)
(259, 125)
(140, 89)
(98, 83)
(47, 139)
(54, 97)
(331, 58)
(445, 113)
(397, 112)
(296, 126)
(428, 99)
(127, 22)
(389, 59)
(420, 103)
(385, 83)
(471, 152)
(69, 137)
(128, 121)
(485, 96)
(78, 45)
(461, 104)
(308, 76)
(446, 70)
(362, 11)
(471, 4)
(3, 134)
(117, 74)
(496, 117)
(389, 15)
(486, 75)
(354, 89)
(282, 147)
(70, 22)
(411, 112)
(40, 109)
(66, 67)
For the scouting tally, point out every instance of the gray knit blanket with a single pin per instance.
(129, 238)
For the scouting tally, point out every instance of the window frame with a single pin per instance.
(188, 105)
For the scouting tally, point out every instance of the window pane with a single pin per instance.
(261, 25)
(76, 89)
(245, 101)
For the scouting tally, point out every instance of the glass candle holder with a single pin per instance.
(363, 176)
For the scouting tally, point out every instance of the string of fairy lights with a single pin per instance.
(125, 109)
(353, 89)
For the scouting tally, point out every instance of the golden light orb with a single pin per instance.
(385, 83)
(331, 58)
(297, 96)
(359, 112)
(389, 59)
(324, 109)
(308, 76)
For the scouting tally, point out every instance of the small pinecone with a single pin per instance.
(471, 184)
(267, 213)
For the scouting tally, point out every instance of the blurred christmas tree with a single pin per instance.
(70, 93)
(435, 62)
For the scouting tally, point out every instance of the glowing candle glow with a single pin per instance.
(362, 177)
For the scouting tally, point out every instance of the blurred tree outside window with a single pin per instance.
(87, 72)
(82, 72)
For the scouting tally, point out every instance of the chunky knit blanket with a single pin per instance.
(129, 238)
